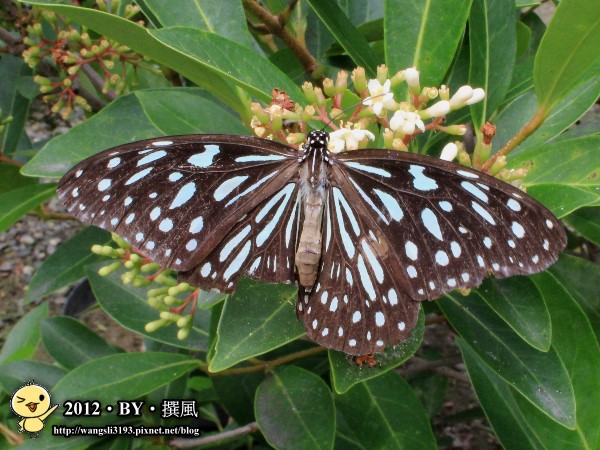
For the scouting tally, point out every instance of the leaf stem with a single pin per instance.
(275, 26)
(267, 365)
(536, 121)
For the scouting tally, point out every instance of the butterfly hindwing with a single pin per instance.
(359, 304)
(261, 245)
(176, 198)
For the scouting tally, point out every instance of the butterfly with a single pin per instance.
(367, 235)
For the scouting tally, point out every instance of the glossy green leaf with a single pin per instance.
(385, 413)
(345, 436)
(345, 33)
(66, 264)
(138, 39)
(567, 112)
(568, 51)
(226, 19)
(294, 410)
(70, 343)
(229, 60)
(520, 83)
(513, 116)
(236, 393)
(425, 35)
(155, 112)
(580, 278)
(492, 40)
(523, 39)
(430, 388)
(122, 376)
(15, 204)
(579, 351)
(128, 306)
(12, 102)
(11, 178)
(497, 401)
(586, 221)
(563, 175)
(345, 373)
(257, 318)
(15, 374)
(521, 305)
(539, 376)
(22, 341)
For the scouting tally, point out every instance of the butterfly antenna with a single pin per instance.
(349, 108)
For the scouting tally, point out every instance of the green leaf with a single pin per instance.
(294, 410)
(346, 373)
(538, 376)
(140, 40)
(563, 175)
(586, 221)
(21, 342)
(568, 51)
(128, 306)
(236, 393)
(70, 343)
(229, 60)
(567, 112)
(12, 102)
(15, 204)
(523, 39)
(224, 18)
(578, 350)
(492, 39)
(385, 413)
(155, 112)
(513, 116)
(427, 38)
(497, 401)
(15, 374)
(11, 178)
(521, 305)
(346, 34)
(580, 278)
(122, 376)
(66, 264)
(257, 318)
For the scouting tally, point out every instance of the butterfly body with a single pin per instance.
(366, 234)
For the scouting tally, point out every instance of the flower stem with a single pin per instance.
(536, 121)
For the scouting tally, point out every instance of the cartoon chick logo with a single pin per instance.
(32, 403)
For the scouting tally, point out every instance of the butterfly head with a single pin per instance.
(317, 139)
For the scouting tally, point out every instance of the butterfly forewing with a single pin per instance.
(176, 198)
(448, 226)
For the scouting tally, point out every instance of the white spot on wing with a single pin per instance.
(152, 157)
(197, 225)
(228, 186)
(421, 181)
(184, 194)
(369, 169)
(391, 204)
(483, 212)
(431, 223)
(104, 184)
(138, 176)
(518, 229)
(204, 159)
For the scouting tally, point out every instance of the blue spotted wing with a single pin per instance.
(397, 228)
(400, 228)
(185, 200)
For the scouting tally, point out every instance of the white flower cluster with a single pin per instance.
(407, 118)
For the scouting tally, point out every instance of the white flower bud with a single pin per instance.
(411, 76)
(461, 96)
(438, 109)
(478, 95)
(449, 152)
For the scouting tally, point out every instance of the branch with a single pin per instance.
(215, 438)
(97, 81)
(524, 133)
(274, 26)
(267, 365)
